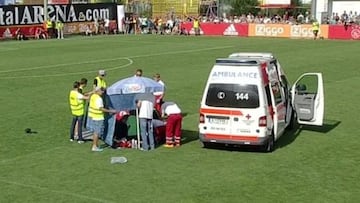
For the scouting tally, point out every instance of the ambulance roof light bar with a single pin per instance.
(237, 61)
(251, 55)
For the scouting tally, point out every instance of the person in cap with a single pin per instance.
(96, 114)
(173, 124)
(99, 80)
(77, 100)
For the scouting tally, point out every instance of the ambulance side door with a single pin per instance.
(308, 99)
(279, 99)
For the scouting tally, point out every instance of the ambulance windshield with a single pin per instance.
(233, 96)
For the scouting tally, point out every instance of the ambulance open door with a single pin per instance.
(308, 99)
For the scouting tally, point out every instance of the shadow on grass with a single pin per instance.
(327, 126)
(189, 136)
(184, 114)
(233, 147)
(290, 136)
(286, 139)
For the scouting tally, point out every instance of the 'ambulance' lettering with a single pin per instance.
(227, 74)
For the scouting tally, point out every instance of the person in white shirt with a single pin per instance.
(96, 25)
(173, 124)
(88, 31)
(159, 95)
(106, 25)
(146, 124)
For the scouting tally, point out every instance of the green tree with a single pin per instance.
(244, 6)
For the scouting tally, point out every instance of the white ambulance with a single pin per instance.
(249, 101)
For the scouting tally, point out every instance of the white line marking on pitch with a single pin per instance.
(53, 191)
(101, 60)
(66, 74)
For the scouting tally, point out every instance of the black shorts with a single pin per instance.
(315, 32)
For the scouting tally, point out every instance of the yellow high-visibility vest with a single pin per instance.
(59, 25)
(48, 24)
(94, 112)
(315, 26)
(100, 82)
(196, 24)
(76, 106)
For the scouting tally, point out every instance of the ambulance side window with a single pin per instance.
(285, 84)
(284, 81)
(275, 87)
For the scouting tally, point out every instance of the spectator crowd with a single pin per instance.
(172, 25)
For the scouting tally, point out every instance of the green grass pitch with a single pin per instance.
(309, 164)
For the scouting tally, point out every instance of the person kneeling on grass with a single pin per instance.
(173, 124)
(96, 115)
(121, 131)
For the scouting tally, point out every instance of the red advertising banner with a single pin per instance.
(58, 1)
(342, 32)
(28, 31)
(225, 29)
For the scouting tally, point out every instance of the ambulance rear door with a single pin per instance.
(308, 99)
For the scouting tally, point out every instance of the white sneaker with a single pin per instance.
(97, 149)
(71, 140)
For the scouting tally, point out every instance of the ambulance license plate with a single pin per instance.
(218, 121)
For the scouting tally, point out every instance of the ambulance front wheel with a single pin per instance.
(293, 120)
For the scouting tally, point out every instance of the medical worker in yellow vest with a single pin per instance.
(99, 80)
(96, 116)
(60, 29)
(196, 26)
(49, 28)
(315, 28)
(77, 100)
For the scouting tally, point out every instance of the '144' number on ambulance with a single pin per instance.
(242, 96)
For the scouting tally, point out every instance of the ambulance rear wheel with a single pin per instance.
(270, 144)
(205, 144)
